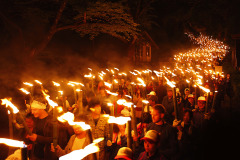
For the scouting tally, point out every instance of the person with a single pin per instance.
(152, 99)
(119, 139)
(124, 153)
(151, 144)
(201, 123)
(99, 125)
(199, 115)
(161, 91)
(168, 104)
(137, 100)
(168, 138)
(77, 141)
(186, 133)
(42, 131)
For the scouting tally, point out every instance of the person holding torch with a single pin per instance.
(42, 131)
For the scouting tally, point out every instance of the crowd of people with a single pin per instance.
(162, 131)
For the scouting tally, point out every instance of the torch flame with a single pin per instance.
(145, 101)
(69, 117)
(28, 84)
(56, 84)
(51, 102)
(169, 83)
(12, 143)
(37, 81)
(6, 102)
(141, 81)
(81, 153)
(203, 88)
(117, 120)
(24, 91)
(114, 94)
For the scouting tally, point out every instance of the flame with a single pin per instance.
(121, 101)
(124, 103)
(51, 102)
(69, 117)
(61, 92)
(145, 101)
(12, 143)
(141, 81)
(75, 83)
(203, 88)
(114, 94)
(117, 120)
(6, 102)
(109, 85)
(37, 81)
(24, 91)
(81, 153)
(59, 109)
(89, 75)
(28, 84)
(169, 83)
(56, 84)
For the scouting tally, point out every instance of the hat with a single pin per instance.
(151, 135)
(38, 105)
(125, 153)
(152, 93)
(190, 96)
(201, 98)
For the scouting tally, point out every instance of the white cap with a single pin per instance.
(152, 93)
(190, 96)
(125, 153)
(201, 98)
(151, 135)
(38, 105)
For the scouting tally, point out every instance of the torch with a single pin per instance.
(16, 111)
(174, 96)
(55, 112)
(207, 91)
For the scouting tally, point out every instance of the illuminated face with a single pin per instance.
(201, 105)
(156, 116)
(97, 109)
(29, 122)
(191, 100)
(149, 146)
(170, 93)
(36, 112)
(77, 129)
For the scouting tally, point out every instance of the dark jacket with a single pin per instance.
(156, 156)
(168, 140)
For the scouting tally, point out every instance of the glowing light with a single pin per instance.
(12, 143)
(24, 91)
(7, 102)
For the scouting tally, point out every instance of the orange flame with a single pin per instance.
(6, 102)
(51, 102)
(24, 91)
(28, 84)
(12, 143)
(69, 117)
(169, 83)
(117, 120)
(56, 84)
(81, 153)
(37, 81)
